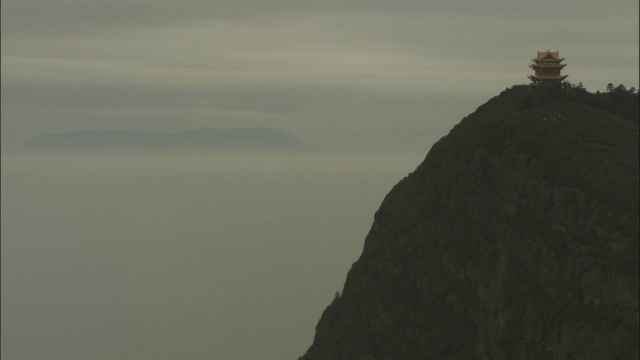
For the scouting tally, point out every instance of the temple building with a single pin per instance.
(547, 67)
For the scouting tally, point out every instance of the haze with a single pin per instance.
(144, 257)
(229, 256)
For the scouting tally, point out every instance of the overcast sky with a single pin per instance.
(348, 74)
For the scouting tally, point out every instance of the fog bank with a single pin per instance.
(168, 257)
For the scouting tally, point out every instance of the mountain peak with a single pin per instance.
(516, 238)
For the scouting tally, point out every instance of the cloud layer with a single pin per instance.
(291, 63)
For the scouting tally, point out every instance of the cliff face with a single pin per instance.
(516, 238)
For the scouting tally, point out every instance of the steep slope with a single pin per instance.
(516, 238)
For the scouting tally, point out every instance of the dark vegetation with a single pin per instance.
(516, 238)
(617, 100)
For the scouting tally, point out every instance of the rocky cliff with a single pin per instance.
(516, 238)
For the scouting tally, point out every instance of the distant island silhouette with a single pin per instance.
(199, 140)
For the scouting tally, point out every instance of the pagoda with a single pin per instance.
(547, 66)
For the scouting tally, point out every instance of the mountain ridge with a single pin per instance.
(202, 139)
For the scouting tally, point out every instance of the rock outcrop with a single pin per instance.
(516, 238)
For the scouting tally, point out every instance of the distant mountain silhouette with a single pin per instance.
(199, 140)
(516, 238)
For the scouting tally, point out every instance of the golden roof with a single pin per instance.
(549, 55)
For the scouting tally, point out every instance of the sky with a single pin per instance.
(347, 75)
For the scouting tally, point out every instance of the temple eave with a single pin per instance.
(547, 60)
(547, 66)
(547, 77)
